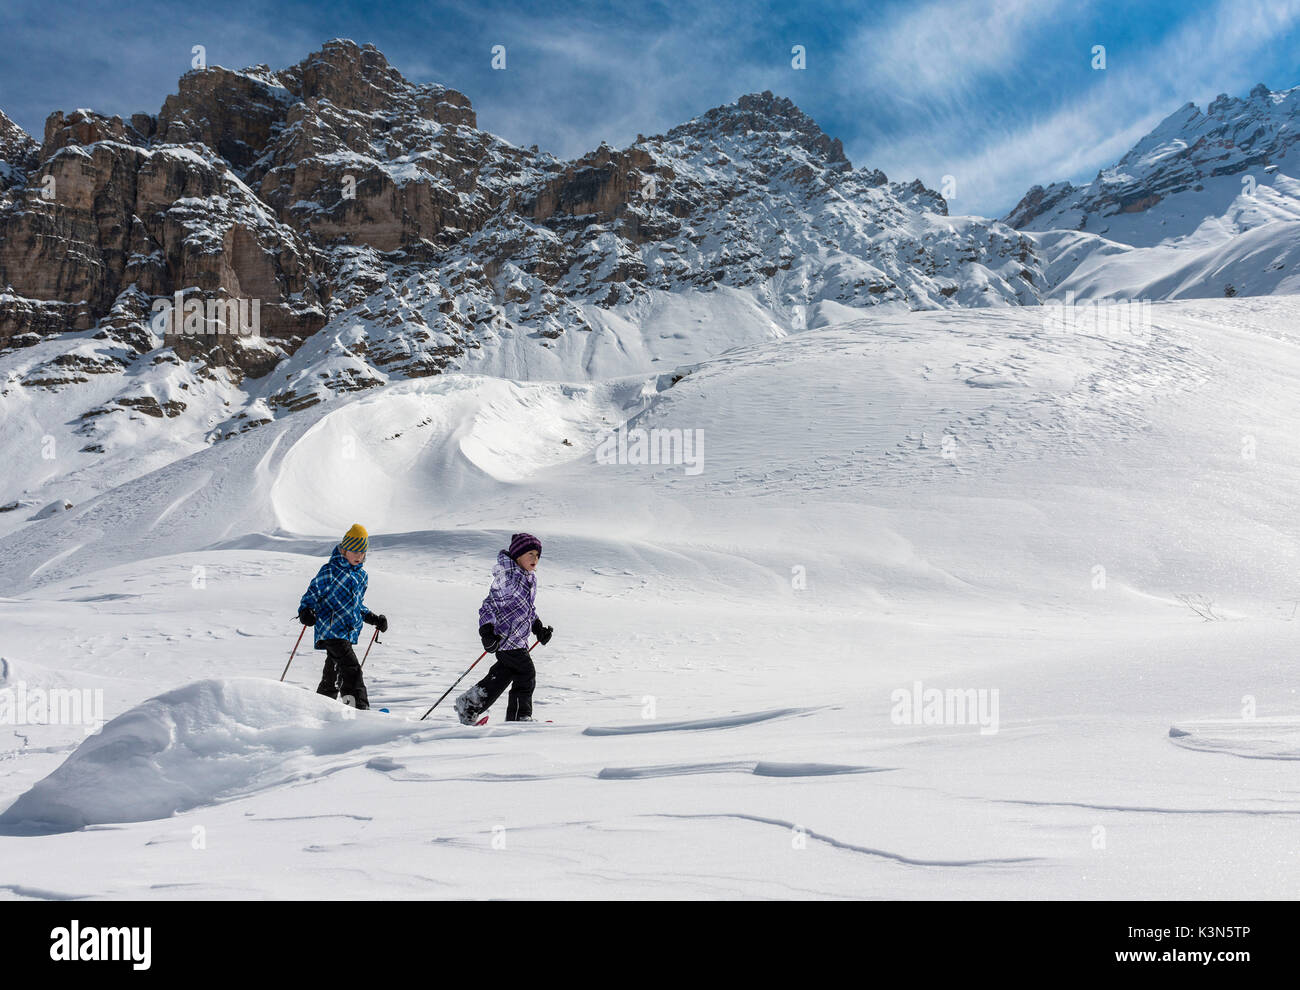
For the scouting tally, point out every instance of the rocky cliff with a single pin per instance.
(384, 235)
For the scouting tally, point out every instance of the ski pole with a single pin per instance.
(373, 640)
(292, 652)
(453, 687)
(461, 678)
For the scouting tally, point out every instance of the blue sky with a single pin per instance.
(999, 94)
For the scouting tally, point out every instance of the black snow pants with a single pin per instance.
(513, 667)
(342, 673)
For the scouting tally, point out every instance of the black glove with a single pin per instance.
(379, 621)
(489, 637)
(543, 633)
(306, 616)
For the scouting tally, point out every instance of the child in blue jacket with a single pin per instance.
(505, 619)
(334, 604)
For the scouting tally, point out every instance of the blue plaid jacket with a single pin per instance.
(336, 595)
(509, 603)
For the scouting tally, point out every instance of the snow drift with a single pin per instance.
(1275, 738)
(412, 453)
(196, 745)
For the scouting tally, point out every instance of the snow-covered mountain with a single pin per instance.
(1207, 204)
(386, 237)
(1083, 543)
(1140, 199)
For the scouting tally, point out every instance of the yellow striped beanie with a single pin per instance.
(356, 539)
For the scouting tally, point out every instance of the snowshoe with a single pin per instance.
(466, 707)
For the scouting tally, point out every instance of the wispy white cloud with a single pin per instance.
(574, 83)
(937, 49)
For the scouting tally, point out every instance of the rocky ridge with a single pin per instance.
(385, 236)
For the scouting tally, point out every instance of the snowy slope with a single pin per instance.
(956, 500)
(1248, 250)
(1206, 205)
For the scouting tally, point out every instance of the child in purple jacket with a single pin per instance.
(505, 619)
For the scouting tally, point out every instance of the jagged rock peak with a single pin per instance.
(1260, 93)
(18, 151)
(238, 113)
(11, 133)
(351, 75)
(765, 112)
(359, 77)
(1183, 152)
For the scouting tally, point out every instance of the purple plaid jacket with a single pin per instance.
(509, 604)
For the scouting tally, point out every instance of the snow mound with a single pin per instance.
(412, 453)
(53, 509)
(199, 744)
(1252, 738)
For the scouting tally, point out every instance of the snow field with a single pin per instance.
(728, 645)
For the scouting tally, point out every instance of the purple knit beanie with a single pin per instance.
(521, 543)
